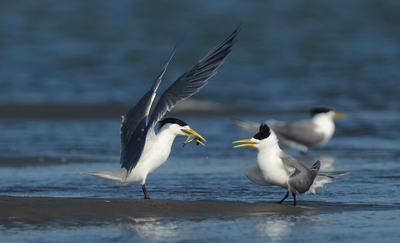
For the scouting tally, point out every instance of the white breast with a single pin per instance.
(326, 126)
(272, 170)
(155, 153)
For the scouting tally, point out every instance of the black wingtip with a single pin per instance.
(238, 29)
(192, 80)
(316, 165)
(223, 49)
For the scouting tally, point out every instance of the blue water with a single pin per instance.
(341, 53)
(291, 56)
(323, 228)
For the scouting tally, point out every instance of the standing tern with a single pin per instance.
(303, 134)
(142, 150)
(276, 167)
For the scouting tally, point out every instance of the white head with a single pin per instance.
(178, 128)
(265, 139)
(173, 125)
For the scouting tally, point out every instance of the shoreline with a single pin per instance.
(44, 161)
(187, 107)
(47, 210)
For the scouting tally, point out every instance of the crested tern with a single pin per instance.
(277, 167)
(142, 149)
(304, 134)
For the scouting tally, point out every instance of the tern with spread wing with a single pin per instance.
(142, 149)
(303, 134)
(276, 167)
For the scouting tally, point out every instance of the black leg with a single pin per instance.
(145, 192)
(286, 196)
(294, 198)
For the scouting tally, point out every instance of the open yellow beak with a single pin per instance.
(339, 116)
(198, 140)
(248, 143)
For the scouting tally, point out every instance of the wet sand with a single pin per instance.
(71, 111)
(45, 210)
(37, 161)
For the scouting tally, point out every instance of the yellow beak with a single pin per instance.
(339, 116)
(198, 140)
(248, 143)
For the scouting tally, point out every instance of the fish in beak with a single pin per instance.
(193, 136)
(247, 143)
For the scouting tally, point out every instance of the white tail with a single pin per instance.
(118, 176)
(324, 178)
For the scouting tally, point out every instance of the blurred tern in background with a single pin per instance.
(303, 134)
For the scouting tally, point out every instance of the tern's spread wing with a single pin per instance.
(135, 121)
(192, 80)
(300, 131)
(185, 86)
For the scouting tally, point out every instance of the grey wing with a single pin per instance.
(290, 162)
(192, 80)
(301, 178)
(300, 181)
(249, 126)
(135, 121)
(299, 131)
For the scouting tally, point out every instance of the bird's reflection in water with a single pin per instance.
(279, 228)
(151, 229)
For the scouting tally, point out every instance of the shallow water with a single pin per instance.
(215, 172)
(364, 226)
(290, 57)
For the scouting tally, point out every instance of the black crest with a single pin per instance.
(172, 121)
(263, 133)
(319, 110)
